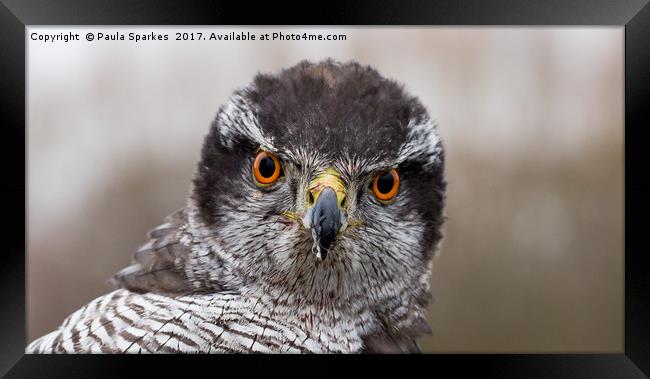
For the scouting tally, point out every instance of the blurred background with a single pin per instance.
(532, 120)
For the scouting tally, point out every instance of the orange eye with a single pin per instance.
(385, 185)
(266, 168)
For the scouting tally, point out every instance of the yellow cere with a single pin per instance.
(329, 178)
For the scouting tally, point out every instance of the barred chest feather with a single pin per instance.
(128, 322)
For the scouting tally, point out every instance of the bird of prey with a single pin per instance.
(312, 222)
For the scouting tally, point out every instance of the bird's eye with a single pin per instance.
(385, 185)
(266, 168)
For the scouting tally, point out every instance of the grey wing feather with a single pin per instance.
(157, 264)
(398, 342)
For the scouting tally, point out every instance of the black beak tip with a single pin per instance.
(326, 220)
(323, 254)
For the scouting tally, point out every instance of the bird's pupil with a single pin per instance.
(385, 182)
(267, 167)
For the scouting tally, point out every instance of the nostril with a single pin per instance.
(344, 201)
(310, 199)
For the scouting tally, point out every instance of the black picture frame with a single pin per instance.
(634, 15)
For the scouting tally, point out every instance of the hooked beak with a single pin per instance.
(325, 199)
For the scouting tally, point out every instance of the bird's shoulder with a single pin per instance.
(159, 265)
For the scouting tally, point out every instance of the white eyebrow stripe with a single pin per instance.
(238, 119)
(423, 141)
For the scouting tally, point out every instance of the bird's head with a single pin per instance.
(325, 182)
